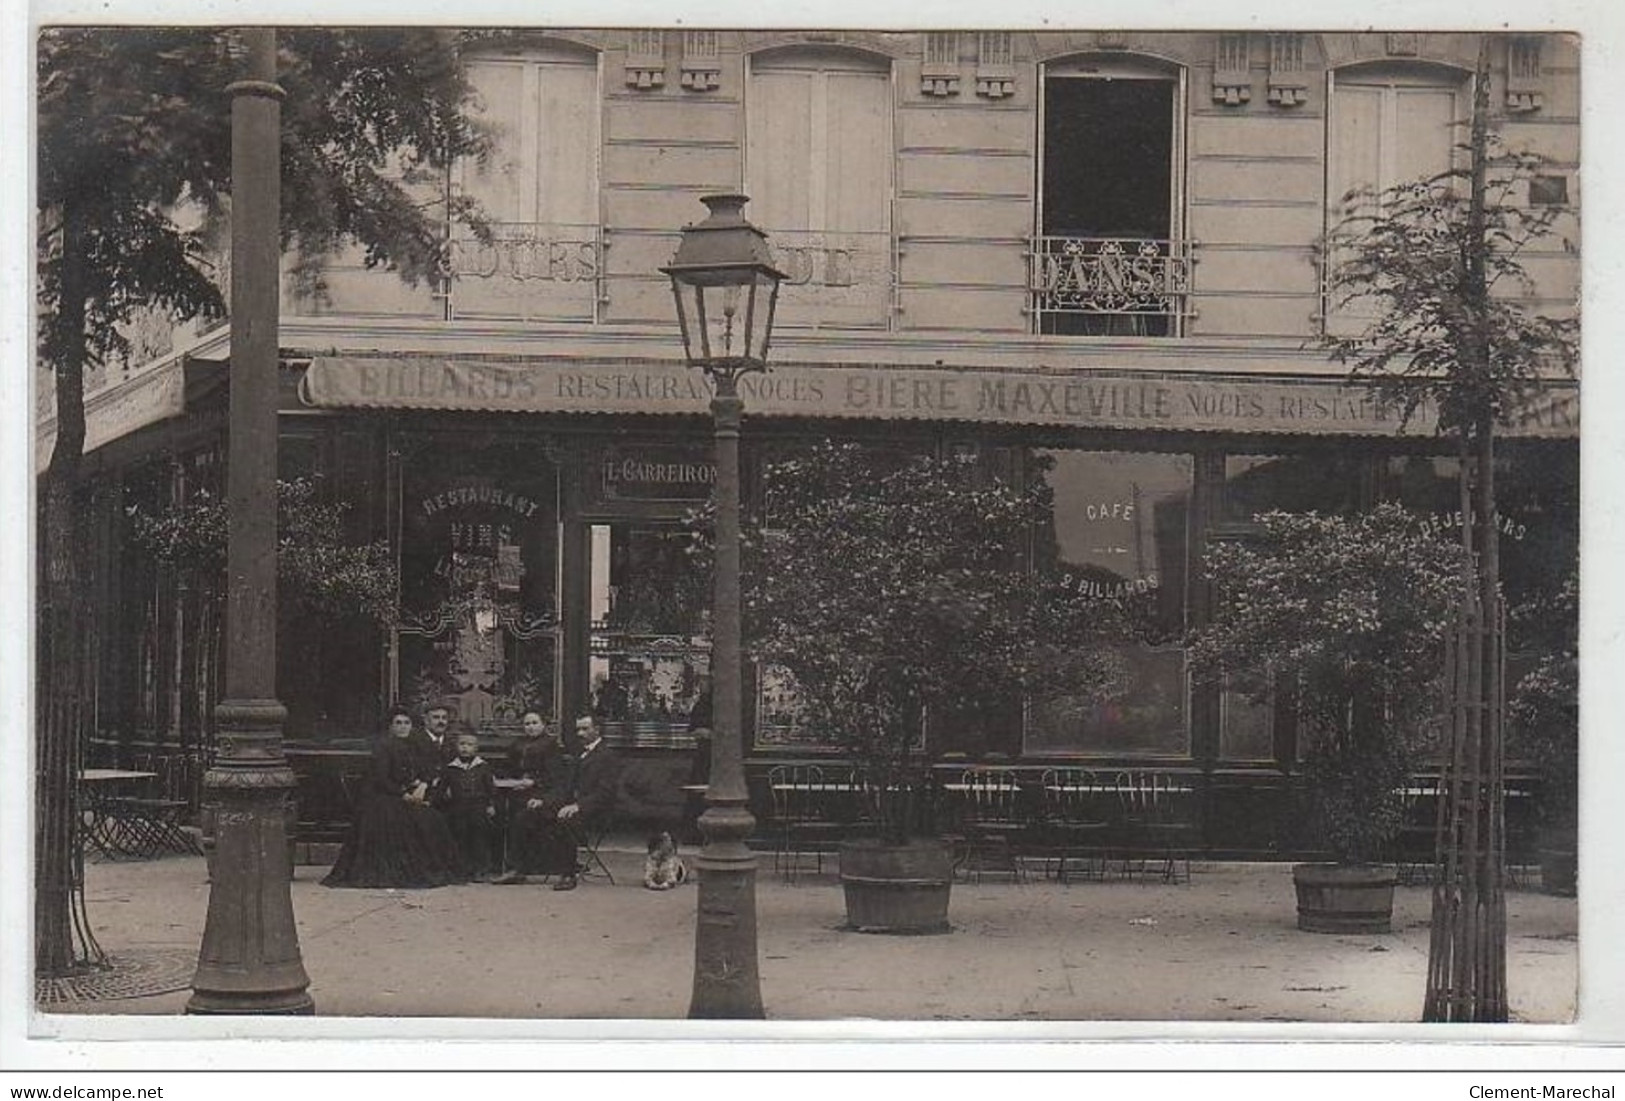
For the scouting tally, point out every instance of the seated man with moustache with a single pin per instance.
(581, 802)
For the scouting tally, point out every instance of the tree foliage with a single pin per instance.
(1349, 613)
(1443, 292)
(133, 177)
(890, 586)
(135, 136)
(324, 571)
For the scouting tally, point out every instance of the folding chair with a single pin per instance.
(589, 837)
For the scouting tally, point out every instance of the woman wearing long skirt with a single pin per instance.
(398, 839)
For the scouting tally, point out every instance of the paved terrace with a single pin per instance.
(1222, 947)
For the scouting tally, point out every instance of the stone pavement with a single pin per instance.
(1223, 947)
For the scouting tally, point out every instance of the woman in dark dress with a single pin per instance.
(398, 839)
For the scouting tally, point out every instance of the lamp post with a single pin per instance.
(726, 290)
(249, 961)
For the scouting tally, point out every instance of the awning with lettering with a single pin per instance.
(1096, 399)
(147, 398)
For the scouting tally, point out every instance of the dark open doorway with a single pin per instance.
(1108, 157)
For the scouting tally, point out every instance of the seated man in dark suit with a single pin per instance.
(582, 800)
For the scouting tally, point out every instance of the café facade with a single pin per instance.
(964, 280)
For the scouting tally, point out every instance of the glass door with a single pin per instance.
(649, 655)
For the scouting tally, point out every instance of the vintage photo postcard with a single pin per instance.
(684, 529)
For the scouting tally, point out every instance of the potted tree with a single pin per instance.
(891, 587)
(1350, 615)
(1545, 717)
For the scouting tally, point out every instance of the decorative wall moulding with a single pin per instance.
(1288, 84)
(1403, 44)
(1111, 40)
(939, 72)
(1232, 78)
(646, 60)
(995, 65)
(702, 69)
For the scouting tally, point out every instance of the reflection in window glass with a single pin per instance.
(1120, 522)
(1316, 482)
(1245, 729)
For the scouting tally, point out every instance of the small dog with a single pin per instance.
(663, 869)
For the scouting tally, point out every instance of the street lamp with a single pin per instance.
(726, 289)
(249, 962)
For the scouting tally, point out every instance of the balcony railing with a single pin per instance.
(1130, 286)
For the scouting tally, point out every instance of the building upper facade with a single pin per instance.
(1056, 202)
(1005, 185)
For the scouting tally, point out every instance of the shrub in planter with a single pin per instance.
(1349, 614)
(888, 585)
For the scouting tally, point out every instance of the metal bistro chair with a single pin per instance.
(994, 822)
(148, 825)
(1075, 822)
(1413, 846)
(1156, 824)
(804, 817)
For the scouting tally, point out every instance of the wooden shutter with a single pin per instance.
(1385, 129)
(818, 167)
(543, 164)
(539, 188)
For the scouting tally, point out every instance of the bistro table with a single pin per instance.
(120, 822)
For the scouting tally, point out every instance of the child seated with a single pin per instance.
(466, 795)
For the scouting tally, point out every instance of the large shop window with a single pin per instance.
(818, 168)
(1388, 124)
(538, 187)
(479, 580)
(1121, 523)
(777, 701)
(1538, 504)
(1246, 729)
(1324, 482)
(650, 651)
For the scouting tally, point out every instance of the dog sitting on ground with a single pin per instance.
(663, 869)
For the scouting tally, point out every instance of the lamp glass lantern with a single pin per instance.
(726, 289)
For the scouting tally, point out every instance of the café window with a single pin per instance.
(479, 580)
(776, 698)
(1538, 509)
(650, 650)
(1120, 524)
(1324, 482)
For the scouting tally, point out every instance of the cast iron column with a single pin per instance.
(250, 962)
(726, 982)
